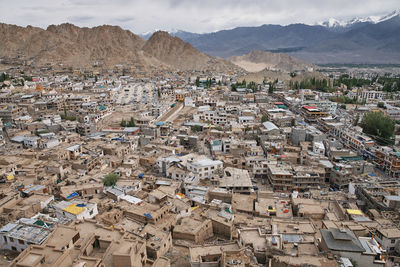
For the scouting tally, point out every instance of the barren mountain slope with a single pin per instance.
(256, 61)
(107, 45)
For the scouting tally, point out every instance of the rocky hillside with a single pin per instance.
(107, 45)
(180, 55)
(256, 61)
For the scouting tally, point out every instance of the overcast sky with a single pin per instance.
(191, 15)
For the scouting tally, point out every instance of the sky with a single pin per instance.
(200, 16)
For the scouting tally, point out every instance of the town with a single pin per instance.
(122, 168)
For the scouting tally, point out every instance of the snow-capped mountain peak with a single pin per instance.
(334, 23)
(389, 16)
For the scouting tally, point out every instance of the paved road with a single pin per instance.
(171, 113)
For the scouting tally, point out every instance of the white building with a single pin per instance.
(76, 209)
(31, 142)
(189, 102)
(19, 235)
(246, 119)
(388, 238)
(204, 168)
(372, 95)
(318, 148)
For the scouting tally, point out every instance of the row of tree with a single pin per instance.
(351, 82)
(390, 84)
(312, 83)
(130, 123)
(208, 82)
(236, 85)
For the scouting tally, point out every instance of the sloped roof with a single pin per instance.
(341, 240)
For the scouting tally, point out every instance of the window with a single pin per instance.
(11, 239)
(21, 241)
(393, 241)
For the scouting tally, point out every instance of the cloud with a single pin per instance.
(190, 15)
(80, 19)
(124, 19)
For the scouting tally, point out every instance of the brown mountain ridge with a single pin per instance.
(110, 45)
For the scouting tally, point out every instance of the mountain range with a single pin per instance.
(107, 45)
(374, 40)
(344, 25)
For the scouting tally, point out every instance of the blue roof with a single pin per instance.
(148, 215)
(74, 194)
(160, 123)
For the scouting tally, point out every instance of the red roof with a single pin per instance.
(310, 107)
(278, 103)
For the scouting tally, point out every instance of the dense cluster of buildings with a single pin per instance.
(206, 176)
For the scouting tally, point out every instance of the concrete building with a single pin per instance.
(76, 209)
(342, 242)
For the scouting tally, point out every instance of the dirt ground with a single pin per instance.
(184, 115)
(115, 118)
(6, 256)
(179, 257)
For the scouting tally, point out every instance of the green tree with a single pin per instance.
(123, 123)
(378, 125)
(234, 87)
(253, 86)
(264, 118)
(356, 120)
(131, 122)
(28, 78)
(110, 179)
(4, 76)
(271, 88)
(197, 82)
(159, 93)
(381, 105)
(197, 128)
